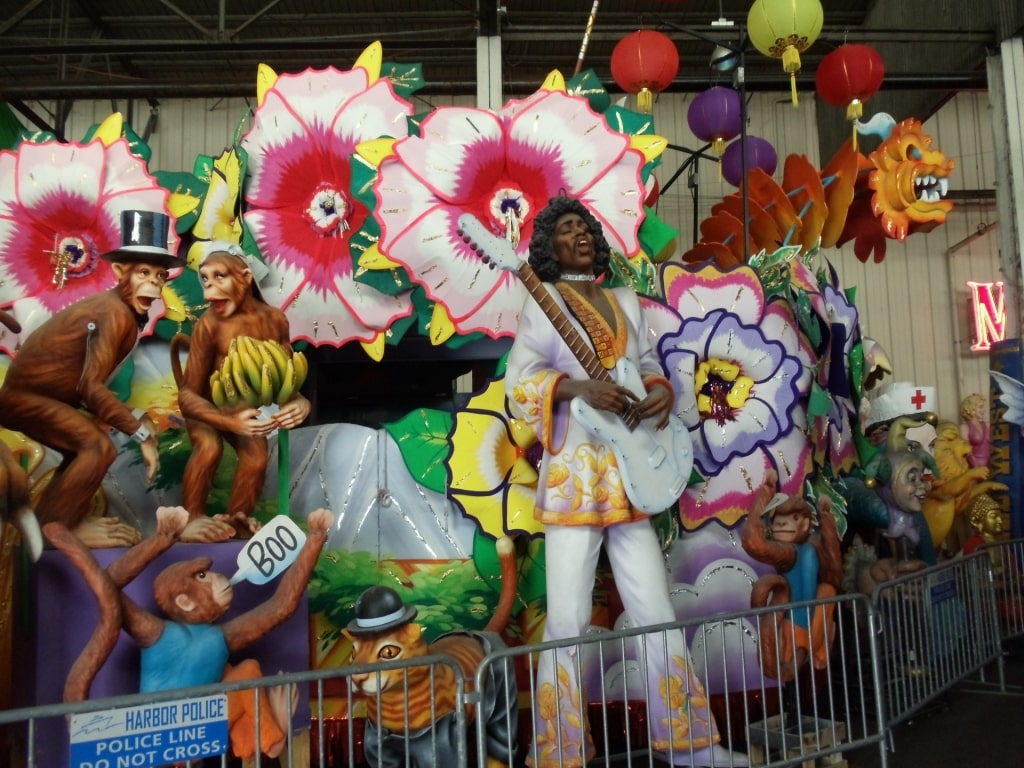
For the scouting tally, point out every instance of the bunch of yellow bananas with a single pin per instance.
(257, 372)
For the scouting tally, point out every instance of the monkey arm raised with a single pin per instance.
(143, 626)
(254, 624)
(170, 522)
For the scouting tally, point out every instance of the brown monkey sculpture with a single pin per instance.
(63, 367)
(809, 567)
(236, 309)
(187, 646)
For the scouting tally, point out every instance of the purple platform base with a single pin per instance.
(58, 613)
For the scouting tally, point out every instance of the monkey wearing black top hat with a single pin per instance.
(64, 366)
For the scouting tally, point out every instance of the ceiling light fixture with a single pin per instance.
(723, 59)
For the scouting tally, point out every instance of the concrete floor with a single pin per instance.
(973, 724)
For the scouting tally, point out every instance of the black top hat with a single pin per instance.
(379, 609)
(144, 240)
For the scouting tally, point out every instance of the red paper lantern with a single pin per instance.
(849, 76)
(645, 62)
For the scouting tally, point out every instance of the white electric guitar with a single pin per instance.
(655, 463)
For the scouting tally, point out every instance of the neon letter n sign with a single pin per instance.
(988, 303)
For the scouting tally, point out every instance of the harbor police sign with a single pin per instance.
(150, 735)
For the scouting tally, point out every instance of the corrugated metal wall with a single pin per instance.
(914, 303)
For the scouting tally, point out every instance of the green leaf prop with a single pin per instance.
(655, 235)
(631, 123)
(136, 145)
(641, 277)
(10, 128)
(188, 287)
(819, 487)
(819, 403)
(415, 121)
(422, 437)
(182, 183)
(588, 85)
(808, 320)
(406, 79)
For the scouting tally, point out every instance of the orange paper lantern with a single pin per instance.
(645, 62)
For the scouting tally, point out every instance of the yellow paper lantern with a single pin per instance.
(782, 29)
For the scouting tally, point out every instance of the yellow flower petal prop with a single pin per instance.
(375, 348)
(519, 511)
(555, 81)
(371, 60)
(21, 446)
(490, 477)
(157, 395)
(523, 473)
(522, 433)
(180, 204)
(217, 220)
(649, 144)
(376, 151)
(372, 258)
(230, 165)
(490, 457)
(265, 79)
(176, 311)
(441, 325)
(109, 130)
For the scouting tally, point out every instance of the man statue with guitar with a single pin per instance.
(582, 371)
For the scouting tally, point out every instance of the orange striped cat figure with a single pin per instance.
(411, 709)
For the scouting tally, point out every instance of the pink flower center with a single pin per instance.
(328, 210)
(73, 257)
(509, 208)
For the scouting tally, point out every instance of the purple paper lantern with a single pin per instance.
(760, 154)
(714, 116)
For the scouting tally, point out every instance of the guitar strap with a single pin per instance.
(608, 344)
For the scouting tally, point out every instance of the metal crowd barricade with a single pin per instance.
(880, 661)
(1007, 560)
(328, 746)
(937, 627)
(823, 710)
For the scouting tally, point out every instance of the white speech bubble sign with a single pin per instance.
(269, 553)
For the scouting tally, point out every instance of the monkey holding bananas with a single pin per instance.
(236, 309)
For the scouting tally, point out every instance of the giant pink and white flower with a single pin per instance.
(741, 371)
(60, 211)
(301, 208)
(501, 167)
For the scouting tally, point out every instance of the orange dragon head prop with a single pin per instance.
(898, 190)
